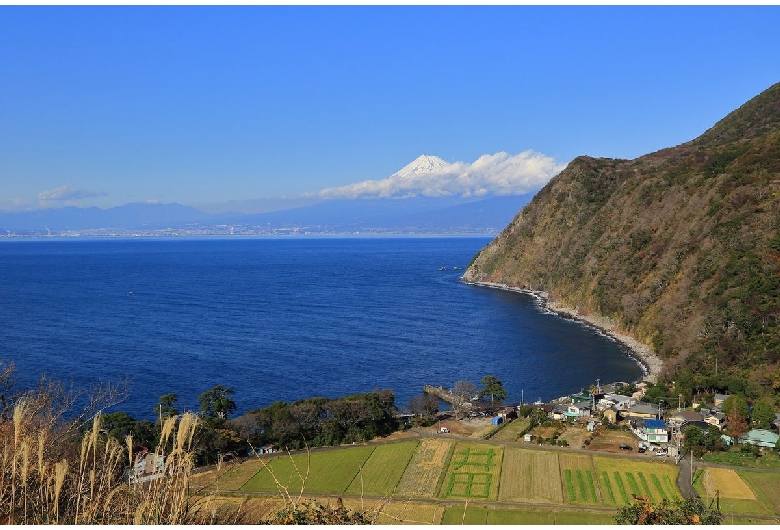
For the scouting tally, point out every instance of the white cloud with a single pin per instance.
(68, 192)
(430, 176)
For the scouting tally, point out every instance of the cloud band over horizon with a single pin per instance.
(430, 176)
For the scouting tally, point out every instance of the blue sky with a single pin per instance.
(202, 105)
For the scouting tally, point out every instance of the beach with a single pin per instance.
(651, 364)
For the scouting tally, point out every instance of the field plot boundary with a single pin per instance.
(380, 473)
(766, 492)
(331, 471)
(530, 476)
(423, 474)
(474, 472)
(622, 477)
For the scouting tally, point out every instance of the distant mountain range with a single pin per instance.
(415, 215)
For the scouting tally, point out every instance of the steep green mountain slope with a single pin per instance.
(680, 248)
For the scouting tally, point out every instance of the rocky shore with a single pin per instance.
(651, 364)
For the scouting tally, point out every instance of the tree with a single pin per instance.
(538, 416)
(736, 409)
(463, 392)
(165, 406)
(216, 403)
(763, 414)
(492, 387)
(686, 511)
(425, 405)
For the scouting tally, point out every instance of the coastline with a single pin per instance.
(650, 363)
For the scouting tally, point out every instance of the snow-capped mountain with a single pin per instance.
(421, 165)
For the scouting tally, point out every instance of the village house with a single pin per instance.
(148, 466)
(579, 410)
(615, 401)
(760, 438)
(679, 418)
(611, 415)
(558, 412)
(718, 419)
(651, 431)
(641, 411)
(718, 399)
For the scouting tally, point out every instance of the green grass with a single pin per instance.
(474, 472)
(621, 487)
(768, 460)
(331, 471)
(591, 485)
(646, 486)
(480, 515)
(766, 487)
(570, 486)
(737, 506)
(383, 469)
(607, 485)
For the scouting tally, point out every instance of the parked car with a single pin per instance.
(661, 452)
(641, 449)
(626, 447)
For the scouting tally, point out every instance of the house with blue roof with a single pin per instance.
(651, 431)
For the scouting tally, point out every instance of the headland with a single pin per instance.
(644, 356)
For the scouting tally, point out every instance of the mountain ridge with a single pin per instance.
(680, 247)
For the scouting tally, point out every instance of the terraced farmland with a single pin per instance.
(577, 478)
(473, 472)
(383, 469)
(329, 472)
(530, 476)
(397, 483)
(622, 477)
(423, 474)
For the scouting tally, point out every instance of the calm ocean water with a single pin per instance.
(282, 319)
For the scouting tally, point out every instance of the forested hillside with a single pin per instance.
(680, 248)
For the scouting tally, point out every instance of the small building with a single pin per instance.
(579, 410)
(558, 412)
(760, 438)
(678, 418)
(641, 411)
(718, 419)
(148, 466)
(776, 421)
(655, 431)
(651, 431)
(611, 415)
(591, 426)
(616, 401)
(718, 399)
(528, 437)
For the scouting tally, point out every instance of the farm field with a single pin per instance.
(423, 474)
(481, 515)
(473, 472)
(766, 486)
(396, 478)
(383, 469)
(577, 478)
(620, 477)
(511, 431)
(735, 495)
(329, 472)
(530, 476)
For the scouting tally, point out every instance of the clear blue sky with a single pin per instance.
(207, 104)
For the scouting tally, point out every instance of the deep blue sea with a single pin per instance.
(282, 319)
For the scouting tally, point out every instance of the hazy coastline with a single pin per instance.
(651, 364)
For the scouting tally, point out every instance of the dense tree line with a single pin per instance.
(320, 421)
